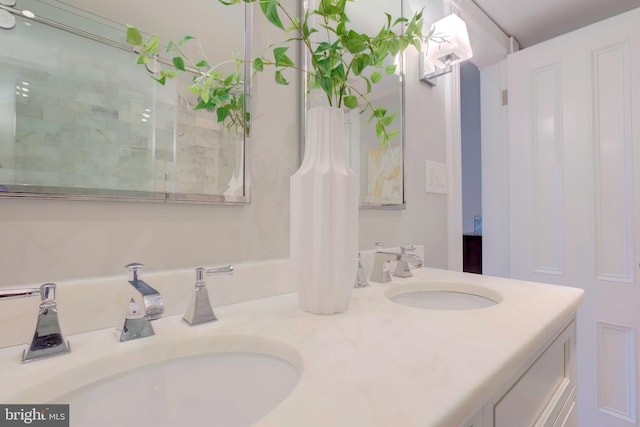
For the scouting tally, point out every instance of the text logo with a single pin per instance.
(34, 415)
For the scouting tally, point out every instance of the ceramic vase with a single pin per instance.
(324, 217)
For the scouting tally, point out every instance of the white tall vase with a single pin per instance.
(324, 217)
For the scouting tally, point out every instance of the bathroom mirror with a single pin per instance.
(381, 169)
(79, 119)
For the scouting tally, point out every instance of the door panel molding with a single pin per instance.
(612, 134)
(615, 370)
(546, 107)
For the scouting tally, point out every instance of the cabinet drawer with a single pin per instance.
(538, 396)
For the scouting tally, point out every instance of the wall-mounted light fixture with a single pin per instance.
(452, 46)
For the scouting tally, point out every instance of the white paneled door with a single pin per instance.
(574, 197)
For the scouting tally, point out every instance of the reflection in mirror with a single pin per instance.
(380, 168)
(79, 119)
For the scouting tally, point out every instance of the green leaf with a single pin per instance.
(368, 82)
(169, 74)
(134, 38)
(324, 65)
(270, 10)
(202, 105)
(222, 113)
(376, 77)
(162, 80)
(379, 112)
(229, 80)
(357, 65)
(394, 46)
(280, 78)
(350, 101)
(355, 45)
(388, 19)
(185, 39)
(390, 69)
(204, 96)
(379, 129)
(178, 62)
(397, 21)
(258, 64)
(394, 133)
(151, 46)
(203, 63)
(404, 44)
(281, 59)
(387, 120)
(327, 85)
(354, 42)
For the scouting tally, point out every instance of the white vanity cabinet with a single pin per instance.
(542, 394)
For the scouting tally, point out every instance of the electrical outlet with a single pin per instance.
(435, 175)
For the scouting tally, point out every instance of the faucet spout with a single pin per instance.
(137, 321)
(380, 272)
(151, 299)
(406, 261)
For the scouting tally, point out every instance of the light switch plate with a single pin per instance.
(435, 175)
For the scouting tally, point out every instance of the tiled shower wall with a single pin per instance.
(86, 117)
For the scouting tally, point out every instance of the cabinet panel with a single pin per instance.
(538, 397)
(476, 421)
(572, 417)
(568, 415)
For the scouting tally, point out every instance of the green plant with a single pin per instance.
(344, 63)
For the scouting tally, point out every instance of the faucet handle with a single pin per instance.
(200, 310)
(48, 295)
(217, 271)
(6, 294)
(47, 339)
(379, 246)
(134, 270)
(213, 271)
(361, 279)
(407, 248)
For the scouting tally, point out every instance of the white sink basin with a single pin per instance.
(444, 296)
(231, 389)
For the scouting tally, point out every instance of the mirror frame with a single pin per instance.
(58, 193)
(304, 55)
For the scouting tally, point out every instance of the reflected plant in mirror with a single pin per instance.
(345, 63)
(79, 120)
(216, 91)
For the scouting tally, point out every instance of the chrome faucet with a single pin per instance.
(381, 260)
(47, 339)
(200, 310)
(403, 269)
(137, 323)
(361, 278)
(405, 261)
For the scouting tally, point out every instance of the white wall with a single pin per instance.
(45, 240)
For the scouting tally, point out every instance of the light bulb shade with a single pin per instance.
(455, 46)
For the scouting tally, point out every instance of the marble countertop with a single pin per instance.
(378, 364)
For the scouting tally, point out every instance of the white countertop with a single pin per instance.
(378, 364)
